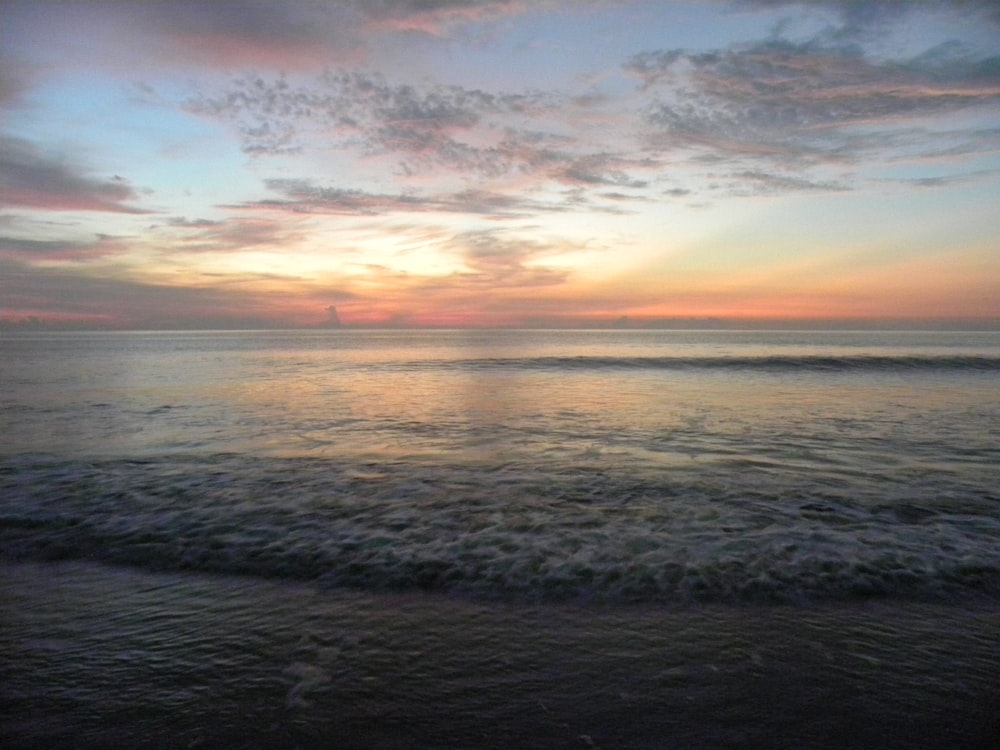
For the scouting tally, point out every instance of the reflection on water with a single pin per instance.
(382, 394)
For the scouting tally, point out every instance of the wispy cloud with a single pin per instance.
(363, 111)
(862, 18)
(14, 83)
(499, 271)
(773, 106)
(237, 234)
(945, 180)
(436, 16)
(251, 34)
(304, 196)
(796, 105)
(31, 178)
(495, 259)
(182, 221)
(67, 292)
(756, 183)
(61, 250)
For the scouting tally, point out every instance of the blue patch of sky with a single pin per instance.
(104, 126)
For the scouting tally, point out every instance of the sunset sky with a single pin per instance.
(186, 163)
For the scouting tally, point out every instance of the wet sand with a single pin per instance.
(96, 656)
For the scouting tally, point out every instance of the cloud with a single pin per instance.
(494, 267)
(65, 250)
(428, 127)
(237, 234)
(292, 35)
(303, 196)
(436, 16)
(433, 130)
(283, 36)
(496, 260)
(797, 104)
(600, 169)
(73, 293)
(947, 179)
(32, 179)
(308, 26)
(180, 221)
(860, 17)
(15, 82)
(758, 183)
(776, 106)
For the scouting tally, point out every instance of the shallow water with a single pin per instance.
(492, 538)
(635, 466)
(104, 657)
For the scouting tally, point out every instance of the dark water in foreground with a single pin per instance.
(486, 539)
(98, 657)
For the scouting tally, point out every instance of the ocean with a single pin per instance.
(486, 538)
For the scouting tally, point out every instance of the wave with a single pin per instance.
(765, 363)
(496, 534)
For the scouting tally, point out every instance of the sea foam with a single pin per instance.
(496, 532)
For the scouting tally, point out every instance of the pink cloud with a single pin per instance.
(438, 21)
(32, 179)
(54, 201)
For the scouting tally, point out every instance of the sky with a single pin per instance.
(244, 164)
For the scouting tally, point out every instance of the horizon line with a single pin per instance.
(680, 324)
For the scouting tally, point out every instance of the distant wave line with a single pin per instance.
(767, 363)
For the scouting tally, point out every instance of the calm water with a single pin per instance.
(587, 487)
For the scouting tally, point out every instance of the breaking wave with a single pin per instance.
(769, 363)
(496, 532)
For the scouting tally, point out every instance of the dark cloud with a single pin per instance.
(755, 182)
(384, 8)
(303, 21)
(624, 197)
(309, 21)
(948, 179)
(246, 34)
(930, 181)
(35, 249)
(775, 106)
(257, 21)
(438, 16)
(30, 178)
(303, 196)
(67, 293)
(427, 127)
(799, 104)
(185, 33)
(180, 221)
(14, 83)
(864, 16)
(469, 132)
(600, 169)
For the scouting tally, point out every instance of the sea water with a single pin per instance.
(589, 491)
